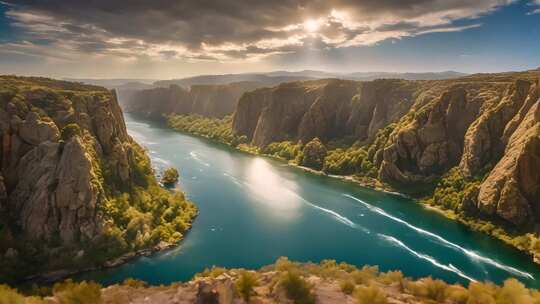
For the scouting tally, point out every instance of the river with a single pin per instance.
(254, 210)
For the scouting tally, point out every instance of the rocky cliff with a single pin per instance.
(68, 168)
(206, 100)
(411, 133)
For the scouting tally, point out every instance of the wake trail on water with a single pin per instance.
(196, 157)
(449, 267)
(471, 254)
(234, 179)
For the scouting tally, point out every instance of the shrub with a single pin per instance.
(513, 292)
(245, 284)
(365, 275)
(347, 286)
(370, 295)
(131, 282)
(69, 292)
(428, 288)
(10, 296)
(170, 176)
(457, 294)
(480, 293)
(296, 288)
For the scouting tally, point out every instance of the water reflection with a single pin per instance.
(269, 188)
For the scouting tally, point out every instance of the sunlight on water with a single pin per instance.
(277, 193)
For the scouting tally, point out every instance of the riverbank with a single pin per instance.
(526, 242)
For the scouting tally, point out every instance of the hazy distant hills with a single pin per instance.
(277, 77)
(265, 79)
(116, 82)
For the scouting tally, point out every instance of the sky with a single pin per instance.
(163, 39)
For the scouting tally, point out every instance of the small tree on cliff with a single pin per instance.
(313, 154)
(170, 177)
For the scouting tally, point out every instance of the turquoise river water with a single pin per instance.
(254, 210)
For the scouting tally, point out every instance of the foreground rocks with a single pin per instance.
(289, 282)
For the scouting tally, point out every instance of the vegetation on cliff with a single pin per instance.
(73, 181)
(286, 282)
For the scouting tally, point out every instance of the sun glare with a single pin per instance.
(311, 25)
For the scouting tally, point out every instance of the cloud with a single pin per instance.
(226, 30)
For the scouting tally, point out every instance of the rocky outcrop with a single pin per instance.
(430, 144)
(328, 109)
(512, 189)
(484, 141)
(206, 100)
(66, 157)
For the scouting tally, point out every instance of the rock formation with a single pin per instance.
(65, 155)
(206, 100)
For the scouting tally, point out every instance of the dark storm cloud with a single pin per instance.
(232, 29)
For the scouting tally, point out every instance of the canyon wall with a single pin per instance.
(207, 100)
(486, 125)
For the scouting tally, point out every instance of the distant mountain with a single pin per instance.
(263, 79)
(406, 76)
(111, 83)
(277, 77)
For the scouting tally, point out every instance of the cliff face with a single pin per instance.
(328, 109)
(480, 123)
(206, 100)
(65, 155)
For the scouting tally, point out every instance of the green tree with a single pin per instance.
(313, 154)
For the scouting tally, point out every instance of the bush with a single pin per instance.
(480, 293)
(134, 283)
(296, 288)
(347, 286)
(245, 284)
(170, 176)
(313, 154)
(513, 292)
(10, 296)
(69, 292)
(428, 288)
(370, 295)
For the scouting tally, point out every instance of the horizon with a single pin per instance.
(141, 40)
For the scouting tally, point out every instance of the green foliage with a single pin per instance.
(452, 189)
(313, 154)
(370, 295)
(69, 131)
(245, 284)
(170, 176)
(286, 150)
(296, 288)
(213, 128)
(69, 292)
